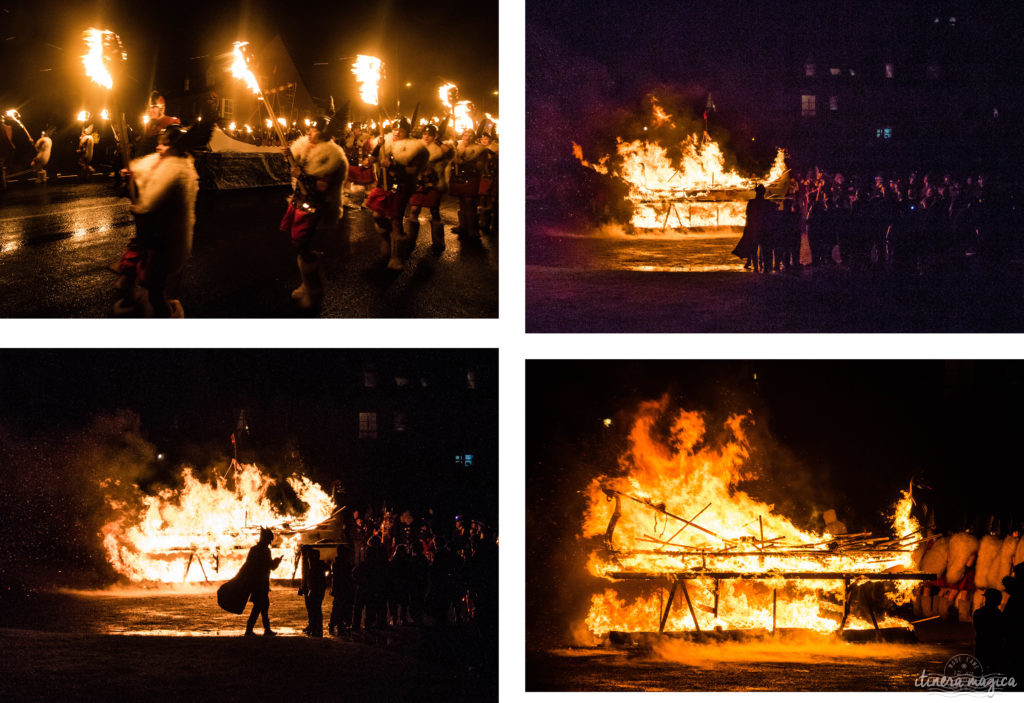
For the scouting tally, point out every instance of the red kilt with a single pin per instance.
(465, 186)
(383, 202)
(431, 197)
(298, 224)
(362, 176)
(486, 186)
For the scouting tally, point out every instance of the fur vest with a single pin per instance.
(325, 161)
(167, 190)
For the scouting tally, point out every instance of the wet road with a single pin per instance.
(56, 241)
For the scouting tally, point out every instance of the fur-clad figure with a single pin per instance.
(43, 147)
(318, 176)
(324, 161)
(165, 215)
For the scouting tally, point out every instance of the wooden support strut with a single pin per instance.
(775, 607)
(668, 606)
(187, 566)
(689, 604)
(716, 597)
(846, 603)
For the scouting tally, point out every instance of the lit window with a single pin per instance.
(890, 69)
(808, 69)
(367, 425)
(808, 105)
(401, 381)
(834, 71)
(227, 108)
(833, 103)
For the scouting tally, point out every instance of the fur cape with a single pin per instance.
(168, 188)
(43, 147)
(327, 161)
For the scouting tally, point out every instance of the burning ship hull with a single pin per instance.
(689, 555)
(684, 186)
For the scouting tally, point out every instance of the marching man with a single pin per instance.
(488, 177)
(464, 182)
(430, 188)
(318, 177)
(402, 159)
(165, 215)
(43, 147)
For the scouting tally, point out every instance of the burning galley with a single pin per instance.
(682, 184)
(684, 550)
(203, 530)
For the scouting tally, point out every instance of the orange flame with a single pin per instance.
(680, 192)
(690, 474)
(463, 118)
(445, 93)
(367, 70)
(240, 67)
(215, 523)
(95, 59)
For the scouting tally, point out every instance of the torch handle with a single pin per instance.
(299, 185)
(126, 156)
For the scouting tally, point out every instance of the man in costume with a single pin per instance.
(258, 565)
(401, 158)
(318, 177)
(86, 145)
(6, 150)
(488, 211)
(164, 212)
(43, 146)
(357, 150)
(430, 188)
(464, 182)
(127, 265)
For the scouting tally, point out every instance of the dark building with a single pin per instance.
(929, 85)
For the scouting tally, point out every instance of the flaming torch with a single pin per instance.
(367, 70)
(14, 115)
(240, 69)
(104, 57)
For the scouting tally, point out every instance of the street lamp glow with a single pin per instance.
(104, 114)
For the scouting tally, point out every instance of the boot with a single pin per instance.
(461, 229)
(302, 291)
(437, 237)
(394, 256)
(484, 221)
(312, 281)
(385, 235)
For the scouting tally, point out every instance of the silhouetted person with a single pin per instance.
(313, 587)
(757, 230)
(258, 565)
(371, 579)
(1014, 614)
(990, 632)
(343, 588)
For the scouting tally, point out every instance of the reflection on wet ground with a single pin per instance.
(189, 612)
(695, 668)
(612, 250)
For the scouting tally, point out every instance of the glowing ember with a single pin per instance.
(367, 70)
(240, 67)
(677, 513)
(214, 523)
(691, 190)
(96, 60)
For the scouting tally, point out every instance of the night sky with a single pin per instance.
(842, 434)
(425, 44)
(69, 418)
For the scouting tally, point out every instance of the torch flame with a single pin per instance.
(95, 60)
(240, 67)
(445, 92)
(367, 70)
(463, 119)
